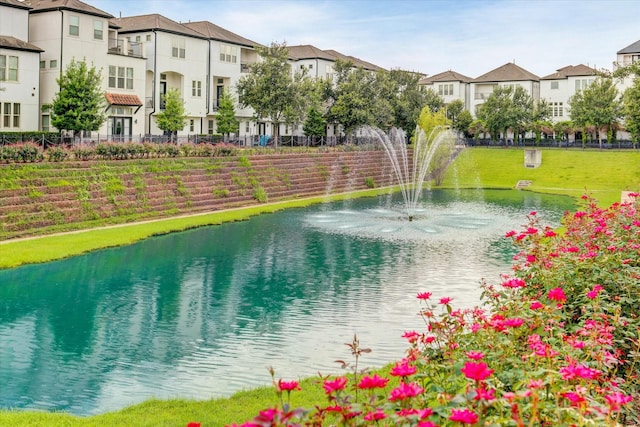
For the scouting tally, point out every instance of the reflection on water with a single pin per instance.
(204, 313)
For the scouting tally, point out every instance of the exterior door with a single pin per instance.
(120, 128)
(219, 91)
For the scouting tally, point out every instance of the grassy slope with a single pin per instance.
(603, 173)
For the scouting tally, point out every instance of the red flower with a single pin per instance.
(557, 294)
(464, 416)
(193, 425)
(535, 305)
(475, 355)
(476, 371)
(514, 283)
(288, 385)
(405, 391)
(616, 400)
(403, 369)
(445, 300)
(411, 336)
(331, 386)
(424, 295)
(373, 382)
(375, 416)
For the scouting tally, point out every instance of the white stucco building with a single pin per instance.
(19, 73)
(558, 88)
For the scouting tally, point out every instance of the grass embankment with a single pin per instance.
(602, 173)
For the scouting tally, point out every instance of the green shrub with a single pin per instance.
(260, 194)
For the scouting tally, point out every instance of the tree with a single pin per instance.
(439, 142)
(454, 108)
(506, 108)
(79, 105)
(353, 98)
(226, 122)
(315, 124)
(463, 121)
(631, 99)
(407, 98)
(273, 91)
(433, 100)
(477, 127)
(172, 118)
(597, 105)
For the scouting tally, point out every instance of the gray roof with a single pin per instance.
(571, 71)
(356, 61)
(508, 72)
(75, 5)
(9, 42)
(14, 3)
(308, 51)
(215, 32)
(632, 48)
(446, 76)
(154, 21)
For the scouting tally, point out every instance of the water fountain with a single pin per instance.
(430, 152)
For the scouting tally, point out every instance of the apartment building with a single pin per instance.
(558, 88)
(229, 58)
(19, 70)
(71, 30)
(451, 86)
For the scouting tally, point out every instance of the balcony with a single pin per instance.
(125, 47)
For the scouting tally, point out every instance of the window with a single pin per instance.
(120, 77)
(46, 124)
(6, 114)
(74, 25)
(43, 65)
(446, 89)
(554, 85)
(192, 124)
(196, 88)
(148, 37)
(246, 127)
(583, 84)
(53, 63)
(210, 127)
(228, 53)
(16, 115)
(8, 68)
(97, 30)
(177, 48)
(137, 39)
(556, 109)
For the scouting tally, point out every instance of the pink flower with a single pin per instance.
(375, 415)
(575, 398)
(445, 300)
(510, 233)
(193, 425)
(403, 369)
(411, 336)
(424, 295)
(578, 371)
(550, 233)
(476, 371)
(373, 382)
(405, 391)
(426, 424)
(557, 294)
(475, 355)
(514, 283)
(536, 305)
(464, 416)
(593, 293)
(616, 400)
(288, 385)
(533, 384)
(331, 386)
(513, 323)
(422, 413)
(484, 394)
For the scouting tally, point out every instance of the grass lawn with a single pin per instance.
(603, 174)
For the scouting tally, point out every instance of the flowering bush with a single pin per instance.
(554, 344)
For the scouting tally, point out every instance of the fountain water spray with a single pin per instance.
(430, 152)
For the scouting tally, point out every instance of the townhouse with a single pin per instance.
(19, 70)
(141, 57)
(70, 30)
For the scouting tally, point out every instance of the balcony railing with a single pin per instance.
(125, 47)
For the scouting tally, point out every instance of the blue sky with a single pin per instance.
(429, 36)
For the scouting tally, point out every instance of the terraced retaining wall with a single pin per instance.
(48, 197)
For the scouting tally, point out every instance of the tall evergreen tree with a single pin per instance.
(315, 125)
(79, 105)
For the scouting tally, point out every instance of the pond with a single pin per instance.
(204, 313)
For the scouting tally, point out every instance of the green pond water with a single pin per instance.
(204, 313)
